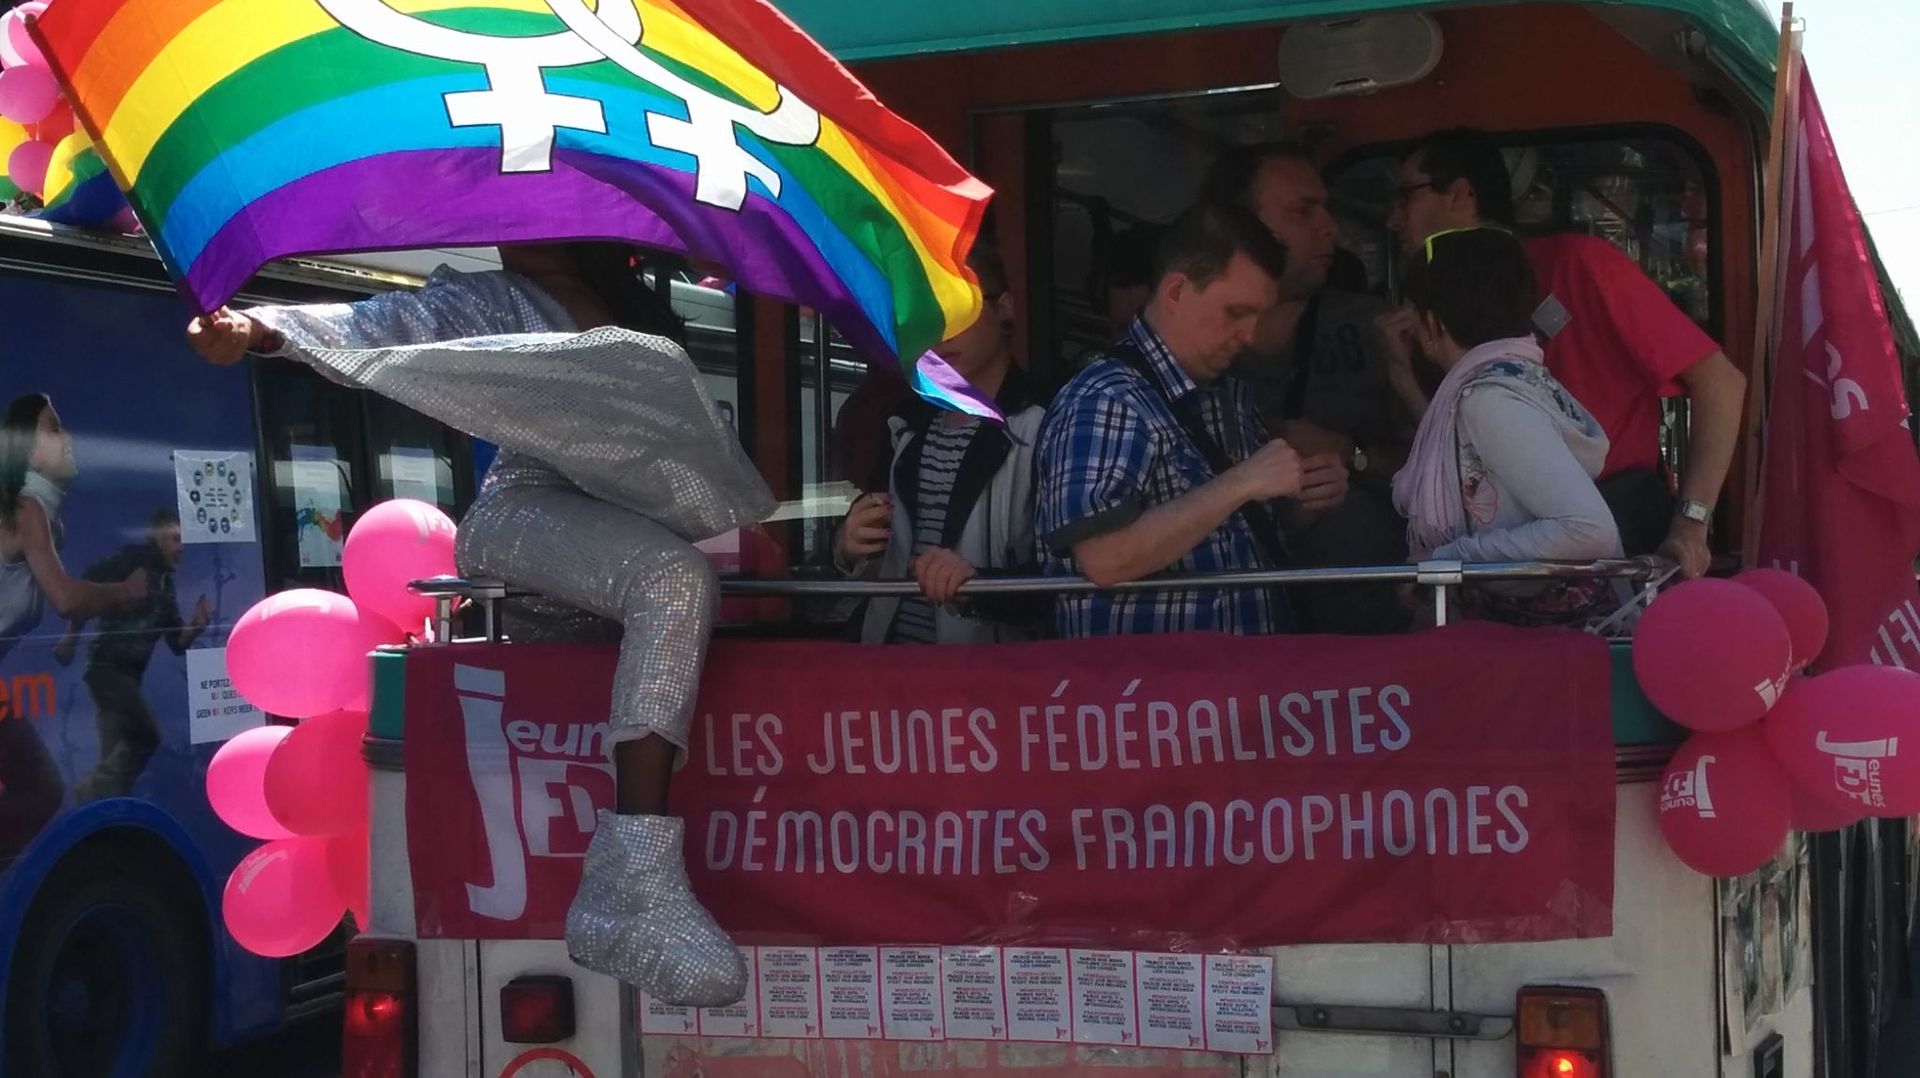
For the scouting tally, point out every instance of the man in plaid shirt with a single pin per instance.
(1150, 460)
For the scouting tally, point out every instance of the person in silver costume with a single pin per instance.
(618, 559)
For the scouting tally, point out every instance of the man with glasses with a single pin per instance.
(1319, 371)
(1613, 338)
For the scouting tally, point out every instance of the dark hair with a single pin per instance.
(1479, 285)
(612, 270)
(1125, 261)
(1231, 178)
(1462, 153)
(163, 517)
(19, 429)
(1205, 238)
(987, 265)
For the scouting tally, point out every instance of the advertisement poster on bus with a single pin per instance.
(114, 599)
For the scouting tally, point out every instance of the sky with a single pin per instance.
(1862, 54)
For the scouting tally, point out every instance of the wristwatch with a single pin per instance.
(1699, 512)
(1357, 461)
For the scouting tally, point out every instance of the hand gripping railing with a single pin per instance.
(1442, 576)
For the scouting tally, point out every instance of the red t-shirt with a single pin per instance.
(1624, 344)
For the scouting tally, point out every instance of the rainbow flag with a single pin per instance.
(80, 190)
(249, 130)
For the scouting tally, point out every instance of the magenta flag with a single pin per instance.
(1842, 480)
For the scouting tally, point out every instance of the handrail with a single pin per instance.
(1439, 575)
(1443, 573)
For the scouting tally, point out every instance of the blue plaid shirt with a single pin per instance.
(1110, 450)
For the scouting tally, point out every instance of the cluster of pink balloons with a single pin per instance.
(1774, 749)
(31, 100)
(302, 654)
(40, 140)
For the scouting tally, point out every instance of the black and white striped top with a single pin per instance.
(940, 458)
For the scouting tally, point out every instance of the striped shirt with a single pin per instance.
(1110, 450)
(940, 457)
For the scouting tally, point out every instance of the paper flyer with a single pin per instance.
(789, 992)
(910, 994)
(1037, 1004)
(319, 481)
(1171, 1000)
(974, 1000)
(850, 992)
(1239, 992)
(665, 1019)
(1102, 983)
(214, 495)
(215, 709)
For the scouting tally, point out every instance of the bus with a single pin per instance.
(112, 956)
(1645, 123)
(1641, 122)
(219, 487)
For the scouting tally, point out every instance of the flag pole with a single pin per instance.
(1767, 299)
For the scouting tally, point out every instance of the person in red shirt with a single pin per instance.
(1612, 337)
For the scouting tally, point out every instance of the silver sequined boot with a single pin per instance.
(635, 917)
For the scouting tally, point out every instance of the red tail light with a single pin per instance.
(536, 1010)
(1561, 1064)
(1562, 1033)
(377, 1036)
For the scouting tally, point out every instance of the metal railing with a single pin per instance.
(1441, 576)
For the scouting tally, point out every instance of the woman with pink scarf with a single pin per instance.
(1503, 465)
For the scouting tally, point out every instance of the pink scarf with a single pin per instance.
(1427, 490)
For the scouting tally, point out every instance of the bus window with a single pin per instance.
(707, 306)
(825, 488)
(414, 457)
(312, 442)
(1119, 167)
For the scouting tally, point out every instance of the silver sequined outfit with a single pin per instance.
(637, 874)
(612, 462)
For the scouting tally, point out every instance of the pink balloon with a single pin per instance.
(16, 47)
(27, 94)
(348, 856)
(1813, 813)
(280, 901)
(27, 166)
(1724, 803)
(392, 545)
(316, 783)
(1800, 608)
(304, 652)
(1852, 737)
(1711, 655)
(236, 781)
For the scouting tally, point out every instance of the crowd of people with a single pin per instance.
(1256, 411)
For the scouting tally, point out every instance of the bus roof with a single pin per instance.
(1742, 32)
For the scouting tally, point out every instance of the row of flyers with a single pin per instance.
(1190, 1002)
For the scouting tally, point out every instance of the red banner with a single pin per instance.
(1191, 791)
(1842, 482)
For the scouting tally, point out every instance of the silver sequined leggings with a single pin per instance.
(593, 561)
